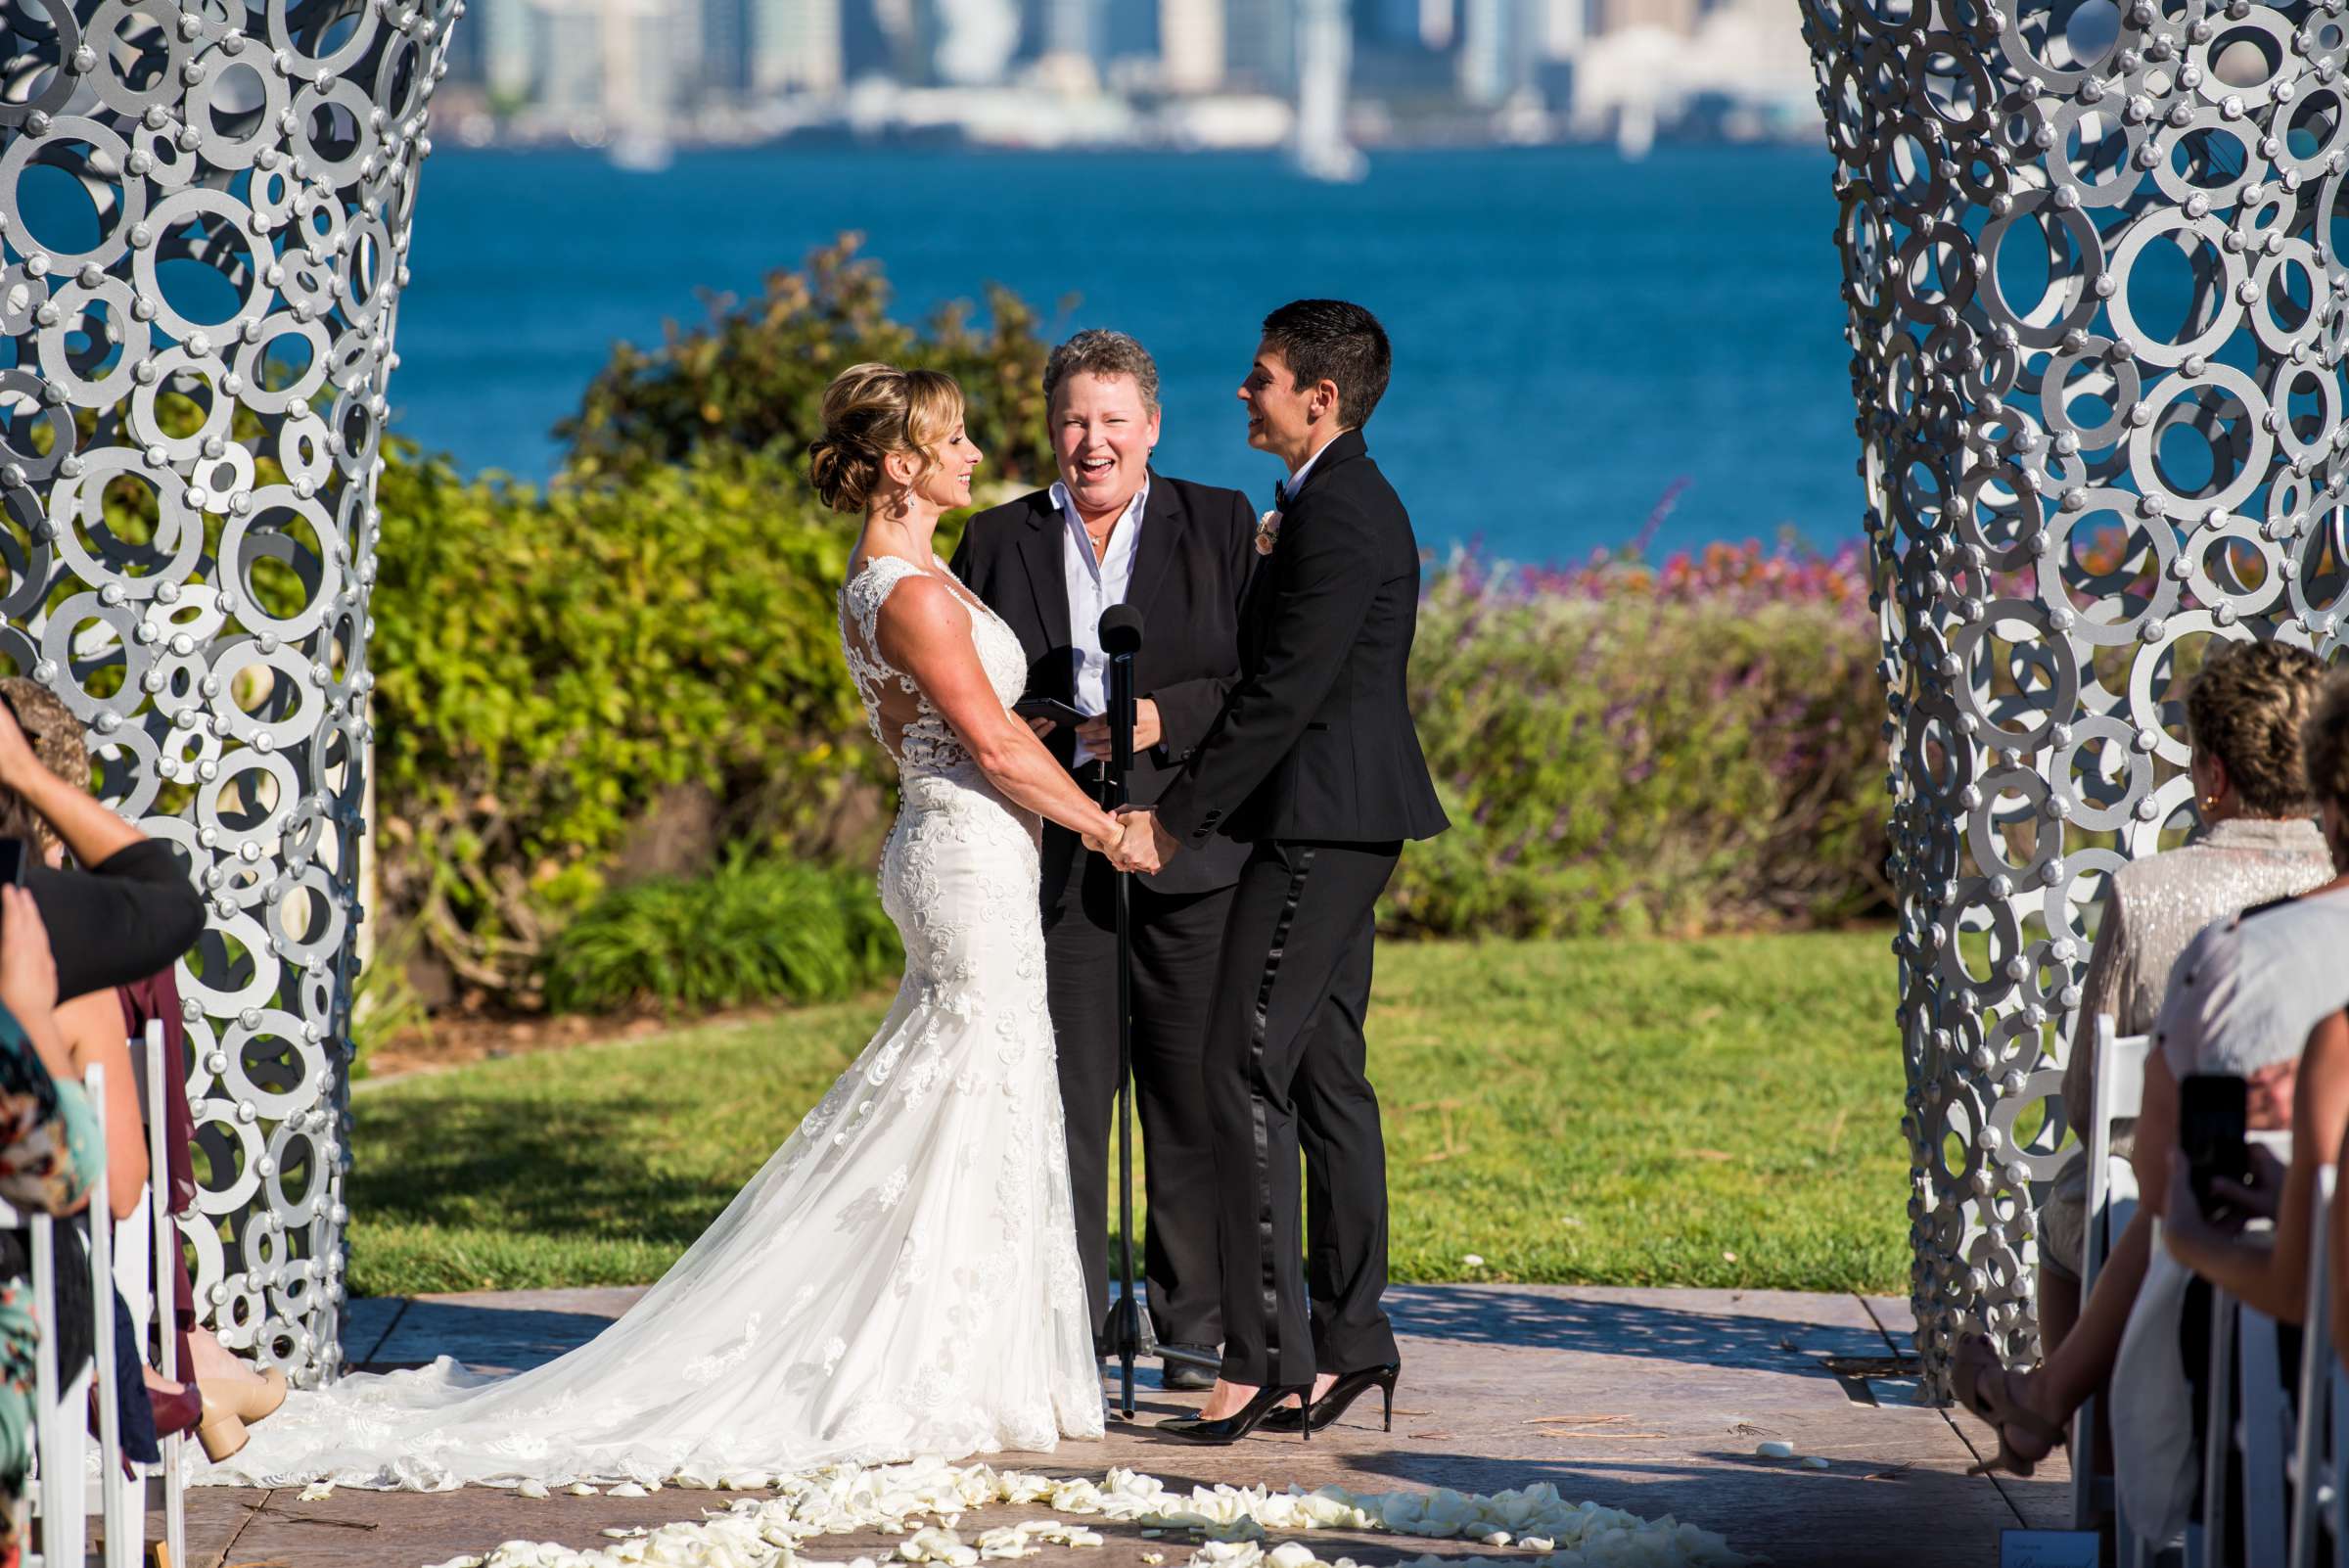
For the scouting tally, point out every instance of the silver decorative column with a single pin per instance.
(2092, 258)
(207, 214)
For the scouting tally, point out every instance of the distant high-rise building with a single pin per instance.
(1071, 29)
(569, 54)
(1324, 72)
(1260, 43)
(1671, 16)
(795, 46)
(1568, 24)
(1437, 24)
(725, 54)
(465, 60)
(1190, 45)
(1500, 48)
(969, 43)
(509, 48)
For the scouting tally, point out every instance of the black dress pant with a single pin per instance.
(1175, 942)
(1285, 1077)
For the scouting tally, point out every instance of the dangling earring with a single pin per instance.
(2210, 803)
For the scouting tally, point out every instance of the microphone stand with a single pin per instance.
(1128, 1329)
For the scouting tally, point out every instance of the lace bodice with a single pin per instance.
(907, 724)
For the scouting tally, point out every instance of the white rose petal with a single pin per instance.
(1773, 1450)
(1812, 1462)
(317, 1492)
(1472, 1261)
(534, 1489)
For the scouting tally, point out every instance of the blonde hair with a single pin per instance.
(874, 411)
(2246, 708)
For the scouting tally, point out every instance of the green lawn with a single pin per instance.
(1721, 1112)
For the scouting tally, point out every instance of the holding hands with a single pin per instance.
(1142, 845)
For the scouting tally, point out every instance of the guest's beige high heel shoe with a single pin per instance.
(249, 1400)
(219, 1431)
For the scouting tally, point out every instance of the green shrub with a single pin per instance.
(550, 668)
(753, 379)
(749, 932)
(1625, 760)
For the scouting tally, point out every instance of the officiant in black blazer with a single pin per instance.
(1112, 531)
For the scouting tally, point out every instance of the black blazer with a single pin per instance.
(1315, 741)
(1190, 570)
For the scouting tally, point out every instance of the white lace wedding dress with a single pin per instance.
(900, 1279)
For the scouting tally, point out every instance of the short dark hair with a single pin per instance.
(1329, 340)
(1098, 351)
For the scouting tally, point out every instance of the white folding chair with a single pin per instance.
(152, 1056)
(2243, 1356)
(2316, 1456)
(60, 1414)
(2117, 1093)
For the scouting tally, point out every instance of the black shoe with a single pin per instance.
(1232, 1428)
(1342, 1393)
(1186, 1377)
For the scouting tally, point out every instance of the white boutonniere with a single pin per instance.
(1268, 532)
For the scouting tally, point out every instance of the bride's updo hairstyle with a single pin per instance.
(871, 411)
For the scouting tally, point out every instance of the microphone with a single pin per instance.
(1121, 631)
(1120, 635)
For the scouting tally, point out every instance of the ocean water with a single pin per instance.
(1574, 335)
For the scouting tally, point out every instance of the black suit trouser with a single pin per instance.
(1285, 1077)
(1175, 942)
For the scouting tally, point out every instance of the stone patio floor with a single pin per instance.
(1669, 1391)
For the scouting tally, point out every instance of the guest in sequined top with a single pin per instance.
(2258, 842)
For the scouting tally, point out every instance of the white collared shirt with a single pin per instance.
(1093, 586)
(1289, 487)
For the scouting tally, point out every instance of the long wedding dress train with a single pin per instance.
(899, 1279)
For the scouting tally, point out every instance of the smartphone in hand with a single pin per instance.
(2211, 1112)
(14, 855)
(1051, 707)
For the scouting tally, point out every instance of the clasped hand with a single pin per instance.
(1141, 844)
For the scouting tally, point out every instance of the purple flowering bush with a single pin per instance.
(1626, 747)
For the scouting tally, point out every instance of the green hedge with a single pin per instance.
(552, 669)
(745, 934)
(1624, 764)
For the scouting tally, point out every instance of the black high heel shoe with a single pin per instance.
(1231, 1428)
(1342, 1393)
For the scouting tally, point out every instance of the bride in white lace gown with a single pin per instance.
(901, 1278)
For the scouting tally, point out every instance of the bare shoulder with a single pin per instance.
(89, 1022)
(922, 609)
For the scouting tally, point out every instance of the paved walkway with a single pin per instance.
(1669, 1393)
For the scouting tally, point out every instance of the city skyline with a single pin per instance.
(1314, 75)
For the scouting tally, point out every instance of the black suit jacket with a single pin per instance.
(1191, 568)
(1315, 741)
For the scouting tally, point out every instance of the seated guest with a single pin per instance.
(98, 1026)
(131, 910)
(2243, 715)
(2256, 996)
(47, 1164)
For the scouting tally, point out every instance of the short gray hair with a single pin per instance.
(1099, 351)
